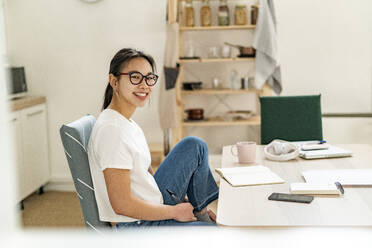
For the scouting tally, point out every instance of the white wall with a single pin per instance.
(66, 47)
(326, 47)
(347, 130)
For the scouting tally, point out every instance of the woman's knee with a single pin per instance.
(192, 141)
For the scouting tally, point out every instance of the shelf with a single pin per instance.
(232, 27)
(219, 92)
(208, 60)
(253, 121)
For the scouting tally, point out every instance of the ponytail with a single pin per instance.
(107, 97)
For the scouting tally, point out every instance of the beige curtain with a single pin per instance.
(167, 98)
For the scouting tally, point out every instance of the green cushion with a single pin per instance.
(291, 118)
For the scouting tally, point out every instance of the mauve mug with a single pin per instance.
(246, 152)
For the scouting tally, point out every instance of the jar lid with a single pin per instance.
(241, 6)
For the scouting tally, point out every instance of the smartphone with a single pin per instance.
(290, 197)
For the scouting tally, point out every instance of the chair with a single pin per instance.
(75, 137)
(291, 118)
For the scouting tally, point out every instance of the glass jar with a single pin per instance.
(241, 14)
(234, 80)
(254, 14)
(189, 13)
(205, 13)
(223, 14)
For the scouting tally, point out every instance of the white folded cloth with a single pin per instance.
(265, 43)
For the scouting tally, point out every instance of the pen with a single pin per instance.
(316, 142)
(339, 187)
(178, 200)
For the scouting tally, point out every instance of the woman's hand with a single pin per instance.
(183, 212)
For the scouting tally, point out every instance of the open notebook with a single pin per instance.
(249, 175)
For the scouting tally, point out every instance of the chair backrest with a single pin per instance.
(75, 137)
(291, 118)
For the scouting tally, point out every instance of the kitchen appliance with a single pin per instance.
(16, 82)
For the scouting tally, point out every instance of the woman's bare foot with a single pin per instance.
(206, 215)
(212, 216)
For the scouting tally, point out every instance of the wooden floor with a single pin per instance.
(57, 209)
(52, 209)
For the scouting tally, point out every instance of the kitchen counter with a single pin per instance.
(25, 102)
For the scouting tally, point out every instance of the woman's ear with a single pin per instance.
(113, 81)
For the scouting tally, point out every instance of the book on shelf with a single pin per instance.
(249, 175)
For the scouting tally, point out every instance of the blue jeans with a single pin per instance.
(185, 171)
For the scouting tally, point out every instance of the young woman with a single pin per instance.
(127, 192)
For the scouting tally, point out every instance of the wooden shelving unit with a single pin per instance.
(175, 15)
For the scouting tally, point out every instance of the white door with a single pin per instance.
(35, 149)
(15, 143)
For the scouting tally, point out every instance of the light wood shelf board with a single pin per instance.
(231, 27)
(254, 121)
(219, 92)
(210, 60)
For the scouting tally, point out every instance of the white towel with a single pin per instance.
(167, 98)
(265, 43)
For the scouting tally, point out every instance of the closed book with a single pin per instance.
(315, 189)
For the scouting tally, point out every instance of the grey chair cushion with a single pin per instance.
(75, 138)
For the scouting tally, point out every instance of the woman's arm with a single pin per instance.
(124, 203)
(151, 171)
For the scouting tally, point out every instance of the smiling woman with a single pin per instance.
(123, 84)
(127, 192)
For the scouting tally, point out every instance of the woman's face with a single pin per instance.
(134, 95)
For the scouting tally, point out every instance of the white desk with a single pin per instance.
(248, 206)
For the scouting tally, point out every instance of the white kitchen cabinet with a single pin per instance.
(29, 127)
(15, 130)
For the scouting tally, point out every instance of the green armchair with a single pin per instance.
(291, 118)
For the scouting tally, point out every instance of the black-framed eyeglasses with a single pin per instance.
(136, 77)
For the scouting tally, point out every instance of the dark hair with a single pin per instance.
(117, 63)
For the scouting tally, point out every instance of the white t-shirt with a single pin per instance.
(117, 142)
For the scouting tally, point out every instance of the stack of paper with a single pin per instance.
(345, 177)
(249, 175)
